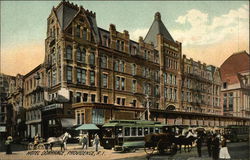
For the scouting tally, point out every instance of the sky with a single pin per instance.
(210, 31)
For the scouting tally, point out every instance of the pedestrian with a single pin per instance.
(209, 145)
(215, 147)
(36, 140)
(8, 145)
(224, 150)
(199, 145)
(84, 142)
(96, 142)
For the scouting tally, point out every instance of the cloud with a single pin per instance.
(203, 31)
(135, 34)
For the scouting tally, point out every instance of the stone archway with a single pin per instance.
(170, 107)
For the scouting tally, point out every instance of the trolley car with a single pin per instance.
(126, 135)
(237, 133)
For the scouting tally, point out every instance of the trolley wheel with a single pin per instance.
(30, 146)
(40, 147)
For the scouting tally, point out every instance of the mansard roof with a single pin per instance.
(157, 28)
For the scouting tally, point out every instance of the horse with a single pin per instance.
(186, 141)
(62, 141)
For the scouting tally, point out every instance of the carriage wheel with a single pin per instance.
(149, 150)
(30, 146)
(166, 148)
(40, 147)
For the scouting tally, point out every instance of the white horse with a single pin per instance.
(62, 140)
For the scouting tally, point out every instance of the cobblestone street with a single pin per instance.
(238, 151)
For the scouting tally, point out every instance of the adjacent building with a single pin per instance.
(235, 91)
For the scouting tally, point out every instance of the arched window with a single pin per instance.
(83, 55)
(92, 58)
(78, 54)
(69, 52)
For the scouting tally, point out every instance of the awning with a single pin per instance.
(86, 127)
(67, 122)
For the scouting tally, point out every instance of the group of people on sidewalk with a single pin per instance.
(216, 146)
(84, 141)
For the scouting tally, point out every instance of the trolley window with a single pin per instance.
(151, 129)
(139, 131)
(127, 131)
(133, 133)
(145, 131)
(157, 130)
(119, 131)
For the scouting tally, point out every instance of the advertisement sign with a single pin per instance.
(2, 129)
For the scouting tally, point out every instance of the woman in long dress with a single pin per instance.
(224, 150)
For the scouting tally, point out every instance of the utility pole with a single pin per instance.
(147, 98)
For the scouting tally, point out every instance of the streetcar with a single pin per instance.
(236, 133)
(127, 135)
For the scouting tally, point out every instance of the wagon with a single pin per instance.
(162, 142)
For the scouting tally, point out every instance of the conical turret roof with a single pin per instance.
(157, 28)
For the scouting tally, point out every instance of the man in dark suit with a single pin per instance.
(215, 147)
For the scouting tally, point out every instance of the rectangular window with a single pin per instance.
(92, 78)
(83, 76)
(145, 131)
(123, 101)
(134, 103)
(82, 115)
(139, 131)
(123, 83)
(117, 45)
(104, 80)
(134, 86)
(78, 97)
(231, 102)
(116, 66)
(53, 77)
(165, 78)
(127, 131)
(92, 97)
(117, 83)
(98, 116)
(105, 99)
(85, 97)
(104, 62)
(78, 75)
(69, 74)
(122, 66)
(78, 118)
(118, 101)
(133, 69)
(165, 92)
(133, 131)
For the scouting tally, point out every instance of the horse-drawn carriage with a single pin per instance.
(167, 143)
(41, 144)
(163, 142)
